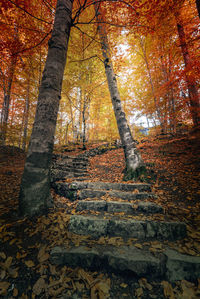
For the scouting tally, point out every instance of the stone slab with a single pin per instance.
(92, 193)
(126, 229)
(117, 207)
(149, 207)
(94, 205)
(181, 266)
(165, 230)
(148, 230)
(124, 259)
(113, 186)
(88, 226)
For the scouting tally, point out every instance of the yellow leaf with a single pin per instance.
(123, 285)
(168, 290)
(137, 245)
(2, 255)
(13, 241)
(29, 264)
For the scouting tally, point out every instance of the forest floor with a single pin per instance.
(25, 269)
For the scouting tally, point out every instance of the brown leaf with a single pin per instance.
(144, 284)
(4, 285)
(139, 293)
(15, 292)
(8, 262)
(168, 290)
(39, 286)
(42, 255)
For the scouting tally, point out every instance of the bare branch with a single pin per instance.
(26, 49)
(81, 60)
(41, 20)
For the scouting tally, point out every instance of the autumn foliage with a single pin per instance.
(155, 52)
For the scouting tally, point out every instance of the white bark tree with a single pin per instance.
(134, 163)
(35, 195)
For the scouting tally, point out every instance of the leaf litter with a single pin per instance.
(25, 244)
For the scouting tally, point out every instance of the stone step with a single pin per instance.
(169, 265)
(91, 193)
(116, 207)
(80, 174)
(111, 186)
(142, 230)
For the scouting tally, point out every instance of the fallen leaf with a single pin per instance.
(168, 290)
(139, 293)
(144, 284)
(29, 264)
(3, 287)
(42, 255)
(2, 255)
(15, 292)
(137, 245)
(8, 262)
(123, 285)
(39, 286)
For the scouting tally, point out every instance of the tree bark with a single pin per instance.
(132, 156)
(198, 6)
(194, 98)
(26, 114)
(35, 195)
(6, 102)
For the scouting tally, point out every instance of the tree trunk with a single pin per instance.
(6, 102)
(194, 98)
(134, 163)
(198, 6)
(26, 113)
(35, 195)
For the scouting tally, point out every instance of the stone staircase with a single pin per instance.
(68, 167)
(127, 212)
(64, 166)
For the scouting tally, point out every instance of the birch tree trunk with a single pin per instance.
(194, 98)
(134, 163)
(35, 195)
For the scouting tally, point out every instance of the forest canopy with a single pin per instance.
(155, 52)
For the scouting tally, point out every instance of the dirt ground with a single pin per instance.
(25, 269)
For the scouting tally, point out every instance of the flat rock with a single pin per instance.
(124, 259)
(181, 266)
(94, 205)
(112, 186)
(87, 226)
(148, 230)
(149, 207)
(92, 193)
(117, 207)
